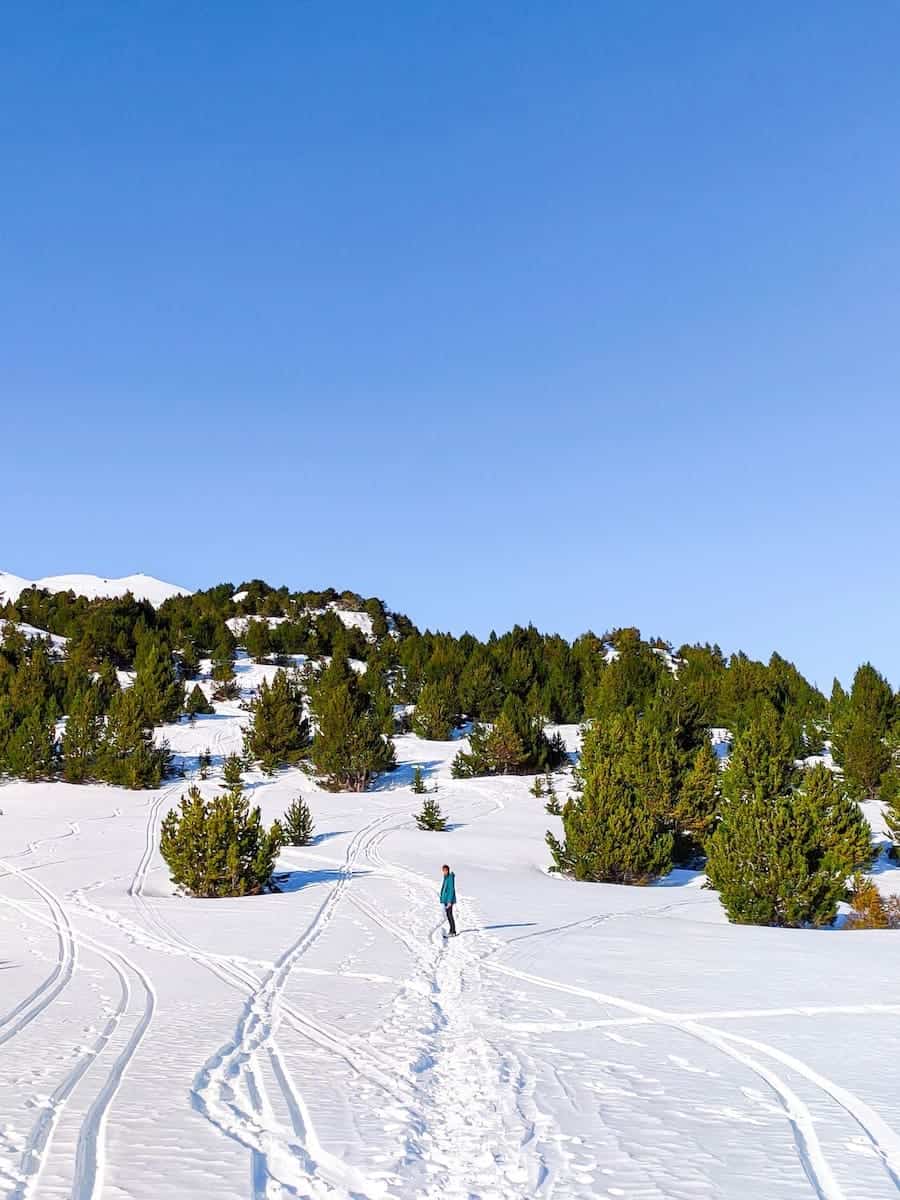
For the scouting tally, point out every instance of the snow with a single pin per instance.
(576, 1040)
(57, 643)
(142, 587)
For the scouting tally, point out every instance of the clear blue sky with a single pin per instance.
(578, 313)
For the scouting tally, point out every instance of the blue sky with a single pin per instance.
(577, 313)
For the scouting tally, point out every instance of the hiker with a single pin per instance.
(448, 897)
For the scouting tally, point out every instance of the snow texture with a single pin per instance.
(575, 1041)
(142, 587)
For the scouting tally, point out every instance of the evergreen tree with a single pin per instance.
(610, 834)
(860, 731)
(219, 847)
(156, 681)
(257, 640)
(82, 736)
(197, 703)
(514, 745)
(128, 755)
(418, 782)
(698, 801)
(785, 859)
(431, 818)
(222, 669)
(297, 823)
(31, 750)
(762, 762)
(435, 714)
(233, 773)
(349, 748)
(279, 731)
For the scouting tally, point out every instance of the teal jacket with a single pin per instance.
(448, 889)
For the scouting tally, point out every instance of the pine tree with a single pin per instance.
(197, 703)
(82, 736)
(31, 750)
(219, 847)
(128, 755)
(514, 745)
(698, 800)
(156, 681)
(257, 639)
(349, 747)
(430, 818)
(435, 714)
(418, 782)
(860, 731)
(233, 773)
(223, 666)
(279, 731)
(785, 859)
(297, 823)
(610, 834)
(762, 761)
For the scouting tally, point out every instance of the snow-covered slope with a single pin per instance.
(142, 587)
(576, 1041)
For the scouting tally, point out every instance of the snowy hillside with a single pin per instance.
(577, 1040)
(142, 587)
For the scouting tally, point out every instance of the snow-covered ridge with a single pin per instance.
(142, 587)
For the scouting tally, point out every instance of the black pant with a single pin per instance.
(448, 909)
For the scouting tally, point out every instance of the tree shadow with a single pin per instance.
(681, 877)
(296, 881)
(483, 928)
(402, 775)
(326, 837)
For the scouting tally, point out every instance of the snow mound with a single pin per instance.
(142, 587)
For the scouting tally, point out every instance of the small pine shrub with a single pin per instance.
(553, 807)
(431, 818)
(418, 782)
(297, 823)
(537, 788)
(232, 773)
(219, 847)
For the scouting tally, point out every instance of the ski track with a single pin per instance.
(883, 1139)
(90, 1155)
(292, 1159)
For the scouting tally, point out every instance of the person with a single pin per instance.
(448, 897)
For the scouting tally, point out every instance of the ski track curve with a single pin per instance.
(292, 1159)
(90, 1154)
(884, 1141)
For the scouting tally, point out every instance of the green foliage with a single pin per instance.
(514, 745)
(156, 682)
(349, 748)
(860, 729)
(83, 735)
(431, 818)
(219, 847)
(257, 640)
(233, 773)
(418, 782)
(435, 715)
(127, 755)
(278, 733)
(785, 859)
(297, 823)
(197, 703)
(611, 834)
(762, 763)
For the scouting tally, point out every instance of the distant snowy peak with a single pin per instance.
(142, 587)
